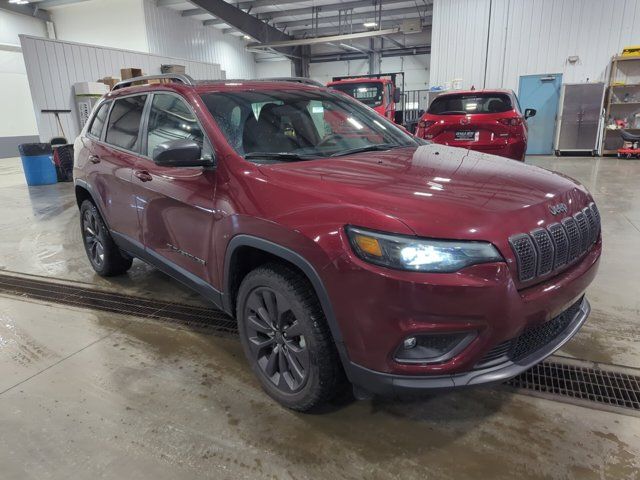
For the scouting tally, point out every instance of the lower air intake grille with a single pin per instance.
(531, 340)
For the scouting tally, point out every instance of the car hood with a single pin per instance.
(441, 192)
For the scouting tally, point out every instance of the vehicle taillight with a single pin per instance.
(511, 121)
(425, 123)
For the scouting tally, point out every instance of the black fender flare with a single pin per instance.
(244, 240)
(83, 184)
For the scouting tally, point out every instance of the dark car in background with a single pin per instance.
(489, 121)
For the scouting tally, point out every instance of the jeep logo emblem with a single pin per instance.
(559, 208)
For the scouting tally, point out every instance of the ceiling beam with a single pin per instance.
(326, 39)
(308, 22)
(57, 3)
(194, 11)
(30, 10)
(394, 52)
(386, 24)
(334, 7)
(167, 3)
(242, 21)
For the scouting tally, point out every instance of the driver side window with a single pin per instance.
(171, 119)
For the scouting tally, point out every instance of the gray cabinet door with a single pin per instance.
(581, 108)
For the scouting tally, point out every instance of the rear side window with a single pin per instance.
(123, 128)
(171, 119)
(99, 119)
(470, 103)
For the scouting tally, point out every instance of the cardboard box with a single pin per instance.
(109, 82)
(173, 69)
(127, 73)
(90, 89)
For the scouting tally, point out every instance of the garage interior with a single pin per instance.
(137, 376)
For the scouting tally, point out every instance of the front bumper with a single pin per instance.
(388, 384)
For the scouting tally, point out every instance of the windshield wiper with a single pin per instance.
(277, 156)
(377, 147)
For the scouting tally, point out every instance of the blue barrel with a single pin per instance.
(37, 163)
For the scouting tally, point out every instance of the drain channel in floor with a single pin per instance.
(65, 294)
(586, 384)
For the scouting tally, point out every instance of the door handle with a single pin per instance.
(143, 175)
(94, 159)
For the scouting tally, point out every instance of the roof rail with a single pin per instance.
(304, 80)
(175, 77)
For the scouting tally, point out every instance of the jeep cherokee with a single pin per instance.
(345, 248)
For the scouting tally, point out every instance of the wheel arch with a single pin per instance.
(84, 192)
(244, 243)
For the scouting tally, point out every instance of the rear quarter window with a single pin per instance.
(470, 104)
(97, 123)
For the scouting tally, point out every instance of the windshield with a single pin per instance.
(286, 125)
(465, 104)
(369, 93)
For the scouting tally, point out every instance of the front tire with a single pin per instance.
(286, 339)
(103, 253)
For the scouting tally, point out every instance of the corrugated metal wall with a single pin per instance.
(171, 34)
(53, 66)
(528, 37)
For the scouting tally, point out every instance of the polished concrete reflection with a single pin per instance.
(91, 394)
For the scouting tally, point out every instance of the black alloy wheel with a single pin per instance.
(276, 340)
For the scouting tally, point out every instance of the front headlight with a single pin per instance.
(417, 254)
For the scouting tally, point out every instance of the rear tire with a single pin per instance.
(103, 253)
(286, 338)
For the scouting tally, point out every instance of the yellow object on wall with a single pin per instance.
(632, 51)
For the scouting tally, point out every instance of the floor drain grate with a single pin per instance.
(207, 318)
(612, 389)
(578, 383)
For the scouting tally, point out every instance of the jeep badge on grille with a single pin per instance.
(559, 208)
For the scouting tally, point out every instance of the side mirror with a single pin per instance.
(530, 112)
(180, 153)
(397, 95)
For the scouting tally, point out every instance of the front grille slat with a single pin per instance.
(545, 250)
(525, 255)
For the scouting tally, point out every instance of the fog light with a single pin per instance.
(433, 348)
(410, 342)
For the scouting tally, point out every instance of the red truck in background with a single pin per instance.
(378, 91)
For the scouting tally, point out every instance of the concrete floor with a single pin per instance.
(91, 394)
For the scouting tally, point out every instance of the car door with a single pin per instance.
(175, 204)
(112, 157)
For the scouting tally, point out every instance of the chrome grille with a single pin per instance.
(544, 250)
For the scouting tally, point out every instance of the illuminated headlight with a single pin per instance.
(419, 254)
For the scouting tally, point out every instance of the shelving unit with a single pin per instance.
(624, 84)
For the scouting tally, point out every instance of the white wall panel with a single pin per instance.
(527, 37)
(53, 66)
(168, 33)
(112, 23)
(280, 68)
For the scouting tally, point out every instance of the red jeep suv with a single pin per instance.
(488, 121)
(345, 248)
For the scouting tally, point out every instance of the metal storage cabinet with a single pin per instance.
(579, 117)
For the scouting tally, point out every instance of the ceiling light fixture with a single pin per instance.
(369, 24)
(246, 37)
(19, 2)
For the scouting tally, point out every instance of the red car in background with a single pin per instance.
(488, 121)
